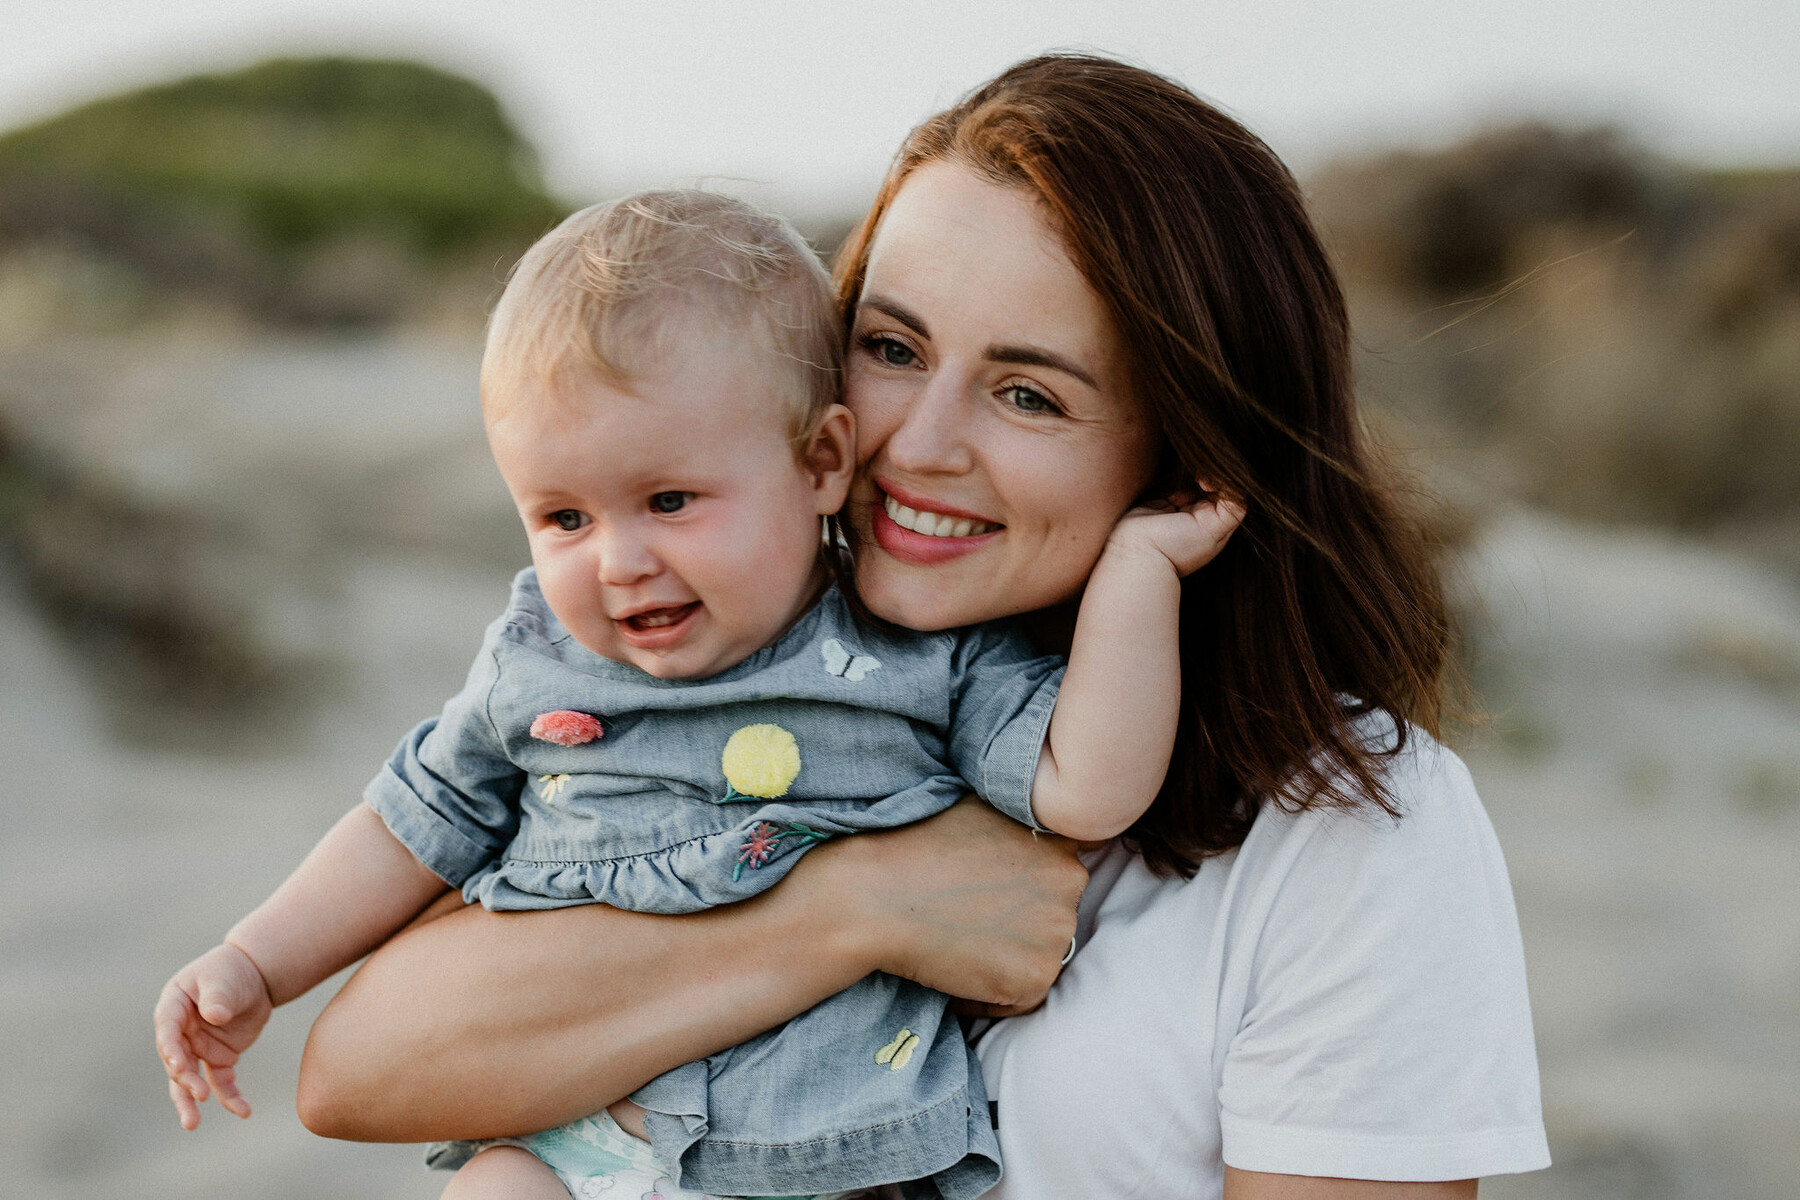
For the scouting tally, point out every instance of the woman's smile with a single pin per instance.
(922, 531)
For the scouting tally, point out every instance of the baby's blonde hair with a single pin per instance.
(607, 292)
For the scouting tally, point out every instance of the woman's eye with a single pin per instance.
(670, 502)
(1028, 399)
(568, 519)
(891, 352)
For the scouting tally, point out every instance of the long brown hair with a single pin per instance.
(1326, 604)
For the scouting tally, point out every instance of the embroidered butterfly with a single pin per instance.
(841, 662)
(899, 1052)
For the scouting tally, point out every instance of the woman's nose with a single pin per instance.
(626, 556)
(932, 438)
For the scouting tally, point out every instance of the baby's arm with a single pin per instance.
(357, 887)
(1114, 725)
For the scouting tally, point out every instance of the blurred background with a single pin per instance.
(249, 532)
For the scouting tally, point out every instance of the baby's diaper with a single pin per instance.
(597, 1160)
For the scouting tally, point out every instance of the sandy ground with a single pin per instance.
(1642, 767)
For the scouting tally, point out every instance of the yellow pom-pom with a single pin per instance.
(761, 761)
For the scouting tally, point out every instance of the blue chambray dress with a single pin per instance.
(678, 795)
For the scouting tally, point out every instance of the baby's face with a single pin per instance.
(671, 524)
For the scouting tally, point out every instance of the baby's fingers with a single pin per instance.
(186, 1111)
(1221, 515)
(173, 1014)
(224, 1082)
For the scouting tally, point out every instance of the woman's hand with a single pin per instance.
(970, 903)
(479, 1024)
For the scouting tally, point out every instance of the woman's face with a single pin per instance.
(997, 443)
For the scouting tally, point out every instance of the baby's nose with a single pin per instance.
(626, 558)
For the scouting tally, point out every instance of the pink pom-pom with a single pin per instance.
(567, 728)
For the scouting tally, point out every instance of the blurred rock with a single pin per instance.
(186, 506)
(1621, 331)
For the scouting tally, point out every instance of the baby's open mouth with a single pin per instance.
(659, 618)
(933, 524)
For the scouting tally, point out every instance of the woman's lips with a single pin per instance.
(898, 530)
(659, 628)
(934, 524)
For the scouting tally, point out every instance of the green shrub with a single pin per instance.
(300, 150)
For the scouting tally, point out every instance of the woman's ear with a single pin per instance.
(830, 458)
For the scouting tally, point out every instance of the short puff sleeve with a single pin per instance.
(1003, 694)
(450, 793)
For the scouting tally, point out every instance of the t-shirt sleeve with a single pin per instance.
(1003, 695)
(1386, 1031)
(450, 793)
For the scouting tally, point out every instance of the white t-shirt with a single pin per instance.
(1343, 995)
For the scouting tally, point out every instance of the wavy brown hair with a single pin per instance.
(1326, 605)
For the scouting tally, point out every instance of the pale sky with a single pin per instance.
(808, 99)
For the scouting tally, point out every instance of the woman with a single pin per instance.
(1080, 288)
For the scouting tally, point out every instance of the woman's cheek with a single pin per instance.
(878, 405)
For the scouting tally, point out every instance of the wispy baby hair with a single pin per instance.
(612, 289)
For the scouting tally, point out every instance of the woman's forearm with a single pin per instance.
(481, 1025)
(485, 1024)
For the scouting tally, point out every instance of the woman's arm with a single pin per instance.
(479, 1024)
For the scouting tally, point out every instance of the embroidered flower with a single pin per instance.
(567, 728)
(550, 786)
(899, 1052)
(764, 840)
(760, 761)
(766, 837)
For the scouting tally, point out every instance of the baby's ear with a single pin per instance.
(830, 458)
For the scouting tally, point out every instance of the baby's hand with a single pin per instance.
(1188, 533)
(207, 1015)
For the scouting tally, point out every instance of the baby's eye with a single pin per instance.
(893, 353)
(1028, 400)
(670, 502)
(568, 519)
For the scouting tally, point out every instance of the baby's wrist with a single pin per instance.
(1140, 561)
(247, 963)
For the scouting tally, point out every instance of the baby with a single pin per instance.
(680, 699)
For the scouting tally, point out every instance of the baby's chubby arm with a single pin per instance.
(353, 891)
(1114, 725)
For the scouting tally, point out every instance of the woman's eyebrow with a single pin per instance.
(1031, 356)
(899, 312)
(1019, 356)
